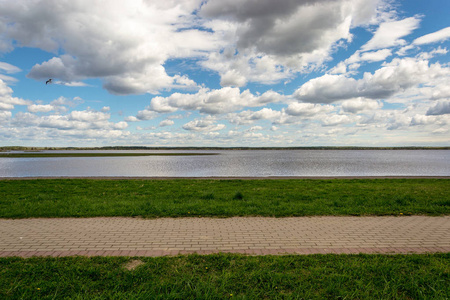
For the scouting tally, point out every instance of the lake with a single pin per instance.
(238, 163)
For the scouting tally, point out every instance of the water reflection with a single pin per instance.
(253, 163)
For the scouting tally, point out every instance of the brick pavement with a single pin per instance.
(253, 235)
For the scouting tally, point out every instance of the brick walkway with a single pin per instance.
(254, 235)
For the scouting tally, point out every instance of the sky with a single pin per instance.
(224, 73)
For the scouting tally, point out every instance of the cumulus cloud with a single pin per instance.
(5, 115)
(131, 119)
(233, 78)
(166, 123)
(275, 39)
(352, 63)
(88, 116)
(360, 104)
(430, 120)
(6, 106)
(439, 108)
(81, 124)
(124, 43)
(143, 115)
(7, 101)
(34, 108)
(307, 109)
(333, 120)
(288, 27)
(208, 101)
(206, 124)
(394, 77)
(248, 116)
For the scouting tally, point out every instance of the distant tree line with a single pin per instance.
(23, 148)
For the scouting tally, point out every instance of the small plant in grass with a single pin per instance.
(238, 196)
(209, 196)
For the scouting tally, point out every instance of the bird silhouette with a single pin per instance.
(48, 81)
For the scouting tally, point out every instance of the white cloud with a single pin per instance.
(120, 125)
(131, 119)
(127, 47)
(88, 116)
(340, 68)
(5, 115)
(307, 109)
(208, 101)
(255, 128)
(438, 36)
(430, 120)
(125, 42)
(273, 40)
(334, 120)
(34, 108)
(144, 115)
(248, 116)
(433, 53)
(206, 124)
(394, 77)
(233, 78)
(360, 104)
(285, 28)
(8, 68)
(7, 101)
(6, 106)
(166, 123)
(81, 125)
(389, 34)
(371, 56)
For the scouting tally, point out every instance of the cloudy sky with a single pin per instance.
(225, 72)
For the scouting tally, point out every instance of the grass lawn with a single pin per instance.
(222, 198)
(228, 276)
(225, 276)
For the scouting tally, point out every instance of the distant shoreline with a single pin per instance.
(46, 154)
(222, 177)
(21, 148)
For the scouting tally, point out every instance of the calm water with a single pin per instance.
(253, 163)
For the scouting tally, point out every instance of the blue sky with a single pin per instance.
(225, 73)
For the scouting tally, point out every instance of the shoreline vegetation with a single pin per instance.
(22, 148)
(38, 154)
(222, 198)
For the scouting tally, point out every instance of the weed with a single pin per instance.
(238, 196)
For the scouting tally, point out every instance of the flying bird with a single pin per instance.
(48, 81)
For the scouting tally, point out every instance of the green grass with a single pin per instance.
(229, 276)
(222, 198)
(34, 154)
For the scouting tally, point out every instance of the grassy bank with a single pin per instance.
(190, 197)
(228, 276)
(37, 154)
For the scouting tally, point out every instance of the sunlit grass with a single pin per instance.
(228, 276)
(222, 198)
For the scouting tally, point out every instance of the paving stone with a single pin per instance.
(249, 235)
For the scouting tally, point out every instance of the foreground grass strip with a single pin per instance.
(228, 276)
(222, 198)
(19, 155)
